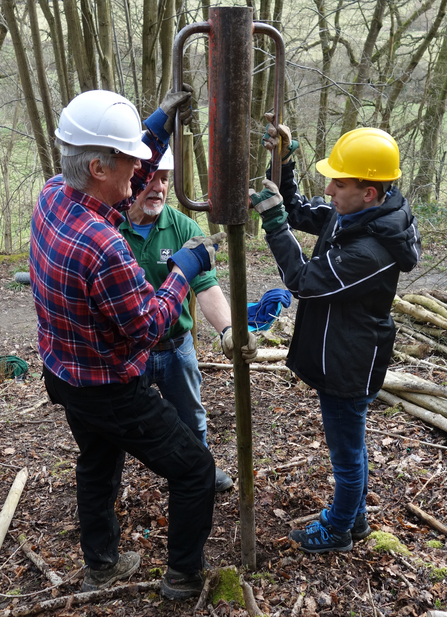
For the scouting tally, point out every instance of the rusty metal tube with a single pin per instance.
(230, 64)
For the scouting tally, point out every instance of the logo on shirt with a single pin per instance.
(165, 254)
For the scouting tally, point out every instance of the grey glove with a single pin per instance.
(210, 244)
(267, 199)
(249, 351)
(269, 204)
(270, 140)
(177, 100)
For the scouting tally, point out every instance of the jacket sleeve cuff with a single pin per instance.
(155, 123)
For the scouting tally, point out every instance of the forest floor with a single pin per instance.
(293, 479)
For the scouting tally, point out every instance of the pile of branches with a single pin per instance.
(421, 320)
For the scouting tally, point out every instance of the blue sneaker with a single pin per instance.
(360, 530)
(318, 538)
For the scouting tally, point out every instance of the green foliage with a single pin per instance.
(435, 544)
(386, 542)
(228, 588)
(266, 576)
(438, 574)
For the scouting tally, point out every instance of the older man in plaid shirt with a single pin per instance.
(98, 318)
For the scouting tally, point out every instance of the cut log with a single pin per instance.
(439, 347)
(427, 518)
(403, 357)
(432, 403)
(39, 562)
(427, 416)
(412, 383)
(417, 350)
(440, 295)
(430, 295)
(11, 502)
(427, 303)
(419, 313)
(253, 367)
(271, 355)
(430, 331)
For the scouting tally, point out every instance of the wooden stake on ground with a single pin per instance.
(81, 598)
(430, 520)
(39, 562)
(11, 502)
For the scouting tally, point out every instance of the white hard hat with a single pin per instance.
(102, 118)
(167, 160)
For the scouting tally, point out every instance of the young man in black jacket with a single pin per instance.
(344, 332)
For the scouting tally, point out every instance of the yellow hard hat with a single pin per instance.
(366, 154)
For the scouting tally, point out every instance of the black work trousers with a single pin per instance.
(108, 421)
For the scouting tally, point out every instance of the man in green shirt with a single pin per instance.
(155, 232)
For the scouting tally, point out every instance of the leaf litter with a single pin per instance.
(293, 481)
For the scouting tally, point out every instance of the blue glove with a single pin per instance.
(197, 255)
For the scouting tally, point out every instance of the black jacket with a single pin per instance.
(344, 333)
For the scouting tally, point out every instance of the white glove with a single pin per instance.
(249, 351)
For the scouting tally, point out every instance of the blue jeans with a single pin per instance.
(344, 422)
(176, 373)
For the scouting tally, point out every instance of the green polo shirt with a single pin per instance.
(170, 232)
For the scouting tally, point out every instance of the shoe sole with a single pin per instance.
(178, 594)
(362, 534)
(87, 587)
(339, 549)
(221, 488)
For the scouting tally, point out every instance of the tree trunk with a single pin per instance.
(7, 233)
(63, 53)
(58, 51)
(43, 84)
(77, 46)
(328, 49)
(354, 100)
(166, 44)
(89, 28)
(132, 56)
(106, 44)
(25, 78)
(422, 185)
(149, 69)
(406, 74)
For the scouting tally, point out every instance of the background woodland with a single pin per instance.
(379, 63)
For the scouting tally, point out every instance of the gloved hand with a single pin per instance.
(270, 140)
(177, 100)
(249, 351)
(197, 255)
(269, 204)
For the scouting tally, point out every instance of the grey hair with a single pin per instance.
(76, 169)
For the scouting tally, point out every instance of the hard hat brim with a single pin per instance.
(142, 152)
(326, 170)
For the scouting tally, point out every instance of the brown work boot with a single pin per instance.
(99, 579)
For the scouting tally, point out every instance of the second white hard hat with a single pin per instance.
(102, 118)
(167, 160)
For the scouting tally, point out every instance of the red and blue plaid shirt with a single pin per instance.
(98, 317)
